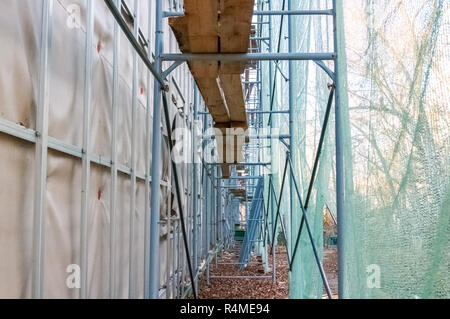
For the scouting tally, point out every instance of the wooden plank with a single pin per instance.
(225, 170)
(214, 98)
(234, 33)
(234, 95)
(230, 140)
(213, 26)
(197, 32)
(235, 25)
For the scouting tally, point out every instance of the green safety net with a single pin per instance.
(395, 96)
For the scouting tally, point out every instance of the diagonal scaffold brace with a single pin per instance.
(178, 192)
(316, 166)
(278, 216)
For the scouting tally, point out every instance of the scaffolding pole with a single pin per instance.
(41, 151)
(231, 57)
(156, 162)
(340, 183)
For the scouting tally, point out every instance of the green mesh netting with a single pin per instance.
(396, 108)
(399, 107)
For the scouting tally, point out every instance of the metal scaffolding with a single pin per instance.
(207, 222)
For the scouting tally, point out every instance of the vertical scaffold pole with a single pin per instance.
(134, 99)
(340, 196)
(195, 198)
(148, 156)
(114, 155)
(214, 211)
(156, 162)
(205, 193)
(42, 111)
(218, 210)
(272, 212)
(208, 223)
(289, 220)
(86, 166)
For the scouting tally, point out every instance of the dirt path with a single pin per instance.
(226, 288)
(259, 288)
(330, 266)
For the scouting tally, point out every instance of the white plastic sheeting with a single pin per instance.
(20, 23)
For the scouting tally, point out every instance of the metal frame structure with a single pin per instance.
(318, 58)
(207, 228)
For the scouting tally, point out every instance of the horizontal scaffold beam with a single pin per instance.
(241, 277)
(168, 14)
(269, 112)
(255, 112)
(249, 57)
(256, 137)
(244, 164)
(293, 13)
(241, 177)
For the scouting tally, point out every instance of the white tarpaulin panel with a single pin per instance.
(20, 27)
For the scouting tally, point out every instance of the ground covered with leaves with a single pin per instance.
(330, 265)
(239, 288)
